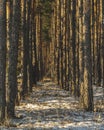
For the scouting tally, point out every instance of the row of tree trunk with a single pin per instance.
(78, 29)
(74, 57)
(20, 52)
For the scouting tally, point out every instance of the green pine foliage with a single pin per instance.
(46, 19)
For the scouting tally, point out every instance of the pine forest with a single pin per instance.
(51, 64)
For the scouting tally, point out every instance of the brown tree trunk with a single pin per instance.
(2, 58)
(87, 91)
(13, 56)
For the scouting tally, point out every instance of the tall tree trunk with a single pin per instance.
(25, 78)
(2, 58)
(58, 38)
(103, 40)
(68, 44)
(73, 47)
(30, 47)
(35, 64)
(13, 56)
(38, 36)
(77, 92)
(81, 50)
(88, 91)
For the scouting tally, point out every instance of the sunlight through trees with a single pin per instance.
(59, 39)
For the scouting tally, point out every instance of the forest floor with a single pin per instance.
(50, 108)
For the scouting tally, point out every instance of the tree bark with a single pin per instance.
(87, 91)
(2, 58)
(13, 57)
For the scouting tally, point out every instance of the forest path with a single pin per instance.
(50, 108)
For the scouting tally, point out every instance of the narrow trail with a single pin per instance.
(50, 108)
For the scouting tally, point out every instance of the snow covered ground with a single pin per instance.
(49, 108)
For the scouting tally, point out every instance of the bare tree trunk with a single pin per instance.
(81, 50)
(73, 88)
(24, 83)
(2, 58)
(13, 56)
(88, 91)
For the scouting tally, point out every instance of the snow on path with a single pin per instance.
(49, 108)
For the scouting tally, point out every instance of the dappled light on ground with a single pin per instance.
(51, 108)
